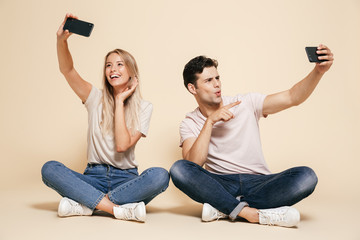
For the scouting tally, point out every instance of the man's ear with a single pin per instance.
(191, 88)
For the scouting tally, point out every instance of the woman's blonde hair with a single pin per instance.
(132, 103)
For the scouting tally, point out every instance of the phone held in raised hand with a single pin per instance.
(312, 55)
(79, 27)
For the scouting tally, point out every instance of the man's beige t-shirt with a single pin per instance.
(235, 146)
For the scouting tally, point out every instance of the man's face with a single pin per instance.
(208, 90)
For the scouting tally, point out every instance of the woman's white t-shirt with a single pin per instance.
(101, 149)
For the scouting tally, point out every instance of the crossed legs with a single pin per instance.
(103, 187)
(243, 194)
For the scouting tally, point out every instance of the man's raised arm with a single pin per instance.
(302, 90)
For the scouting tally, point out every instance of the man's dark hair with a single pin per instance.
(195, 66)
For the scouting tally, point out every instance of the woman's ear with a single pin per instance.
(191, 88)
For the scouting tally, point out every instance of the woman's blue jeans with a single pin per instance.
(230, 193)
(121, 185)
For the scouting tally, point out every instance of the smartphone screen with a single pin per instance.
(312, 55)
(78, 27)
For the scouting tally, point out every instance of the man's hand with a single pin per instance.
(196, 149)
(223, 114)
(324, 66)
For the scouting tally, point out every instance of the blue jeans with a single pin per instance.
(230, 193)
(121, 185)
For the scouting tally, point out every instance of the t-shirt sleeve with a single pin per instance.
(257, 101)
(145, 116)
(185, 131)
(93, 99)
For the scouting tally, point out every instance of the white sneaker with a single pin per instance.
(282, 216)
(210, 213)
(131, 211)
(69, 207)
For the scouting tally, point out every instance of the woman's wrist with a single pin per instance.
(119, 102)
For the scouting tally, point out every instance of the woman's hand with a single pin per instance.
(127, 92)
(61, 34)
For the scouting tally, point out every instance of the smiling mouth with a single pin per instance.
(114, 76)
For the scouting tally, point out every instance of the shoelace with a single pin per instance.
(77, 208)
(217, 214)
(129, 213)
(273, 217)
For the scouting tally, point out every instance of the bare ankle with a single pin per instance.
(250, 214)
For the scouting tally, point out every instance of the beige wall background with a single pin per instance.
(260, 48)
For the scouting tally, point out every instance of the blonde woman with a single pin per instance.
(118, 118)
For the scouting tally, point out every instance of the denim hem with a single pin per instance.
(233, 215)
(102, 195)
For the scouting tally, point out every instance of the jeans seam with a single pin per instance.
(127, 185)
(267, 182)
(47, 183)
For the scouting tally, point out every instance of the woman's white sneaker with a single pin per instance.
(131, 211)
(282, 216)
(69, 207)
(209, 213)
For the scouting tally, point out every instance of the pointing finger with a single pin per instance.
(232, 105)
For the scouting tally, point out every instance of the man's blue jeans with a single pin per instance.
(230, 193)
(122, 185)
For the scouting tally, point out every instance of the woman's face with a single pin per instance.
(116, 72)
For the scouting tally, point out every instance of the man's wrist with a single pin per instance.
(318, 72)
(209, 122)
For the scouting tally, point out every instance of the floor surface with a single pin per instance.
(30, 212)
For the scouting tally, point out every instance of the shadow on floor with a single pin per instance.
(47, 206)
(193, 210)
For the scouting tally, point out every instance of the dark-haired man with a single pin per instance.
(223, 134)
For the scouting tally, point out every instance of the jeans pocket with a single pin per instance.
(88, 169)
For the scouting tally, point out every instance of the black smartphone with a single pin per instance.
(78, 27)
(312, 55)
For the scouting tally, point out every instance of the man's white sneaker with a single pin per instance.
(282, 216)
(210, 213)
(131, 211)
(69, 207)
